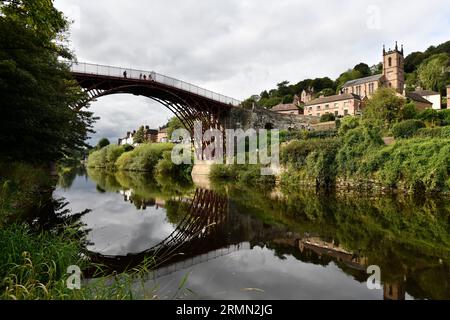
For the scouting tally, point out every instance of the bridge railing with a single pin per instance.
(96, 69)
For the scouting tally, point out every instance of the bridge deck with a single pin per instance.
(118, 73)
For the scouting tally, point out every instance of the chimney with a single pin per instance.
(147, 127)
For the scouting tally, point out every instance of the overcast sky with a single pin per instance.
(239, 47)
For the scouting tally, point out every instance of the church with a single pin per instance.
(351, 99)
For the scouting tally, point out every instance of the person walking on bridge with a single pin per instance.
(125, 74)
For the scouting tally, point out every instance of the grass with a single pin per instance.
(33, 267)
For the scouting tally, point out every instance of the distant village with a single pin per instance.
(349, 102)
(354, 93)
(150, 136)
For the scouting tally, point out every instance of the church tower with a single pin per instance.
(393, 68)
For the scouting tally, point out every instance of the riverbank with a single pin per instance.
(359, 159)
(406, 235)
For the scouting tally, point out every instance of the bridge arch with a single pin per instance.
(189, 103)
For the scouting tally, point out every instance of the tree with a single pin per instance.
(39, 121)
(282, 88)
(376, 69)
(433, 72)
(173, 124)
(103, 142)
(384, 107)
(264, 95)
(408, 111)
(288, 98)
(347, 76)
(363, 69)
(139, 136)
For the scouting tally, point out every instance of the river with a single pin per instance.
(235, 242)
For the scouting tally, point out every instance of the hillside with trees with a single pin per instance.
(428, 69)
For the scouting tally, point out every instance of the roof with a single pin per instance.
(336, 97)
(355, 82)
(162, 130)
(285, 107)
(426, 93)
(416, 97)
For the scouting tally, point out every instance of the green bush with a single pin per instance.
(105, 157)
(348, 123)
(437, 132)
(295, 153)
(407, 128)
(23, 189)
(357, 143)
(166, 167)
(327, 117)
(248, 174)
(423, 165)
(143, 158)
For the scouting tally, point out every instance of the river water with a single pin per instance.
(234, 242)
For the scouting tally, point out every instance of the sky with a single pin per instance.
(239, 47)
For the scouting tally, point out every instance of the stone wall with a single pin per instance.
(260, 118)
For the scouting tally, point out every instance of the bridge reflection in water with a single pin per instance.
(202, 230)
(211, 228)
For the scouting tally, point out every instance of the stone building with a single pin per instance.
(287, 108)
(431, 96)
(339, 105)
(162, 135)
(393, 76)
(355, 92)
(307, 95)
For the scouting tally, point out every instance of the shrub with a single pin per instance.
(407, 128)
(348, 123)
(248, 174)
(105, 157)
(128, 147)
(316, 157)
(357, 143)
(166, 167)
(408, 111)
(327, 117)
(437, 132)
(431, 117)
(423, 165)
(144, 157)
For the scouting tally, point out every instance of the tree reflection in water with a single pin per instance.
(408, 237)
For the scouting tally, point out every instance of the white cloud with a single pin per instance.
(239, 48)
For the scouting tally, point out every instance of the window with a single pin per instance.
(327, 106)
(318, 114)
(345, 112)
(336, 105)
(336, 113)
(371, 87)
(318, 107)
(390, 62)
(358, 90)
